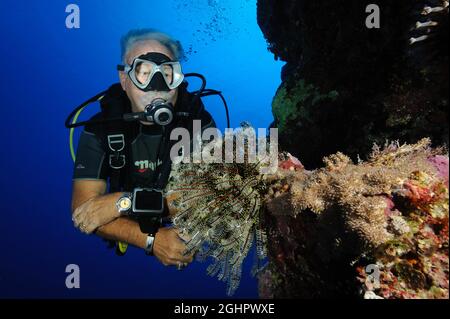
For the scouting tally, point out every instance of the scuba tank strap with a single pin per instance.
(113, 105)
(115, 136)
(116, 158)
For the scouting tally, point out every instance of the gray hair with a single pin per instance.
(136, 35)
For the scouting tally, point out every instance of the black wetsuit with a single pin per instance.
(91, 158)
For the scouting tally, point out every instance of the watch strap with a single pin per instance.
(149, 244)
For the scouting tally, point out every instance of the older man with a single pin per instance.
(151, 72)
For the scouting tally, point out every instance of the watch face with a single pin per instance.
(124, 204)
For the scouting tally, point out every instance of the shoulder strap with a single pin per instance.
(116, 136)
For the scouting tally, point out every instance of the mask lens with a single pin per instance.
(142, 71)
(168, 72)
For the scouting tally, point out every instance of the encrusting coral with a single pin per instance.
(390, 211)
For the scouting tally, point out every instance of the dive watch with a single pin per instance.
(124, 204)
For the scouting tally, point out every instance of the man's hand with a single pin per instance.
(90, 215)
(169, 247)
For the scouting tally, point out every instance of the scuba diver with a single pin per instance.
(127, 144)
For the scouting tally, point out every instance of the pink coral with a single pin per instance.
(440, 162)
(291, 163)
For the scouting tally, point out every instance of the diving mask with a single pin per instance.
(154, 72)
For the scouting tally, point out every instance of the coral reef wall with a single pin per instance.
(346, 86)
(376, 229)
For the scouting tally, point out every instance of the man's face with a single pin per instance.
(140, 99)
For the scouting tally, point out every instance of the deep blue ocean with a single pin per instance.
(47, 70)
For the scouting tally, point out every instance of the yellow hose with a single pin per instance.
(75, 118)
(72, 152)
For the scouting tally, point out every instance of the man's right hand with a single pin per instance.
(168, 247)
